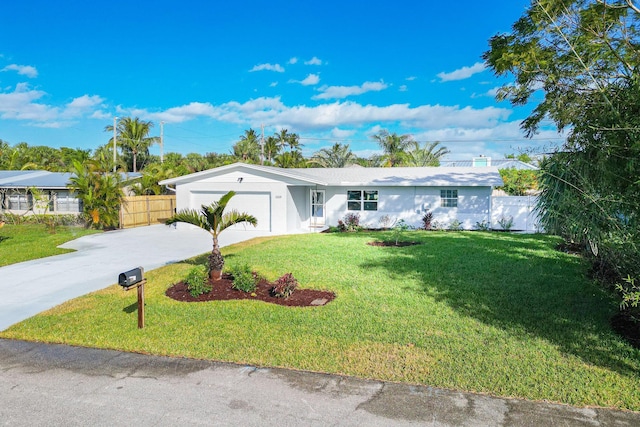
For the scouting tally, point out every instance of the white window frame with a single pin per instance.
(363, 203)
(449, 198)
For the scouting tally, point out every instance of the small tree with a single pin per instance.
(213, 219)
(100, 192)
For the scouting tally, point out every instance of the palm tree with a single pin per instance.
(100, 192)
(213, 219)
(248, 147)
(289, 159)
(286, 139)
(338, 156)
(394, 146)
(426, 155)
(133, 136)
(271, 147)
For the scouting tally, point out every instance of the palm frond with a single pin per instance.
(189, 216)
(234, 217)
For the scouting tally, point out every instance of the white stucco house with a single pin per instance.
(301, 200)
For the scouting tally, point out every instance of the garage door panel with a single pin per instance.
(257, 204)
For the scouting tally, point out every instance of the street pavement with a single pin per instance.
(58, 385)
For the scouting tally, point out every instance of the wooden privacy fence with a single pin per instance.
(138, 211)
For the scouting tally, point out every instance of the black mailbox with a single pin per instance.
(131, 277)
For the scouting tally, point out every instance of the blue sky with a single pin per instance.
(331, 71)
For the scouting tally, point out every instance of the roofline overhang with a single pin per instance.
(265, 169)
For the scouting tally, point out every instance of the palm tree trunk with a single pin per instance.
(216, 261)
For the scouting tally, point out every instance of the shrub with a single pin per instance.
(351, 222)
(284, 286)
(198, 281)
(630, 292)
(482, 225)
(455, 225)
(400, 227)
(427, 220)
(506, 223)
(243, 278)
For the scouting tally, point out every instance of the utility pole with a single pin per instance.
(115, 133)
(161, 141)
(262, 145)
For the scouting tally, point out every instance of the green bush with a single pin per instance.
(455, 225)
(198, 281)
(243, 278)
(284, 286)
(506, 223)
(482, 225)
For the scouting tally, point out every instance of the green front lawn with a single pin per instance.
(497, 313)
(25, 242)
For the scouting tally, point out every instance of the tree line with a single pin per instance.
(578, 61)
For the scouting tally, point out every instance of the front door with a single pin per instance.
(317, 208)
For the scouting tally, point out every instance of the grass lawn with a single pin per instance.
(498, 313)
(25, 242)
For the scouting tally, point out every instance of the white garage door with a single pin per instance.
(257, 204)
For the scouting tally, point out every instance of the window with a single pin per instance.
(64, 201)
(20, 201)
(358, 200)
(449, 198)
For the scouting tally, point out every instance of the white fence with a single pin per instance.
(520, 208)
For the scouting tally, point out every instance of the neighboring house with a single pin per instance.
(488, 161)
(295, 200)
(16, 195)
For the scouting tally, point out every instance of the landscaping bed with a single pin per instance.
(223, 290)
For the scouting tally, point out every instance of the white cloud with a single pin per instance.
(23, 104)
(340, 92)
(269, 67)
(462, 73)
(411, 78)
(402, 88)
(293, 60)
(313, 61)
(342, 133)
(310, 80)
(273, 84)
(334, 115)
(25, 70)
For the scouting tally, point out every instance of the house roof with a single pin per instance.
(499, 163)
(389, 177)
(41, 179)
(38, 179)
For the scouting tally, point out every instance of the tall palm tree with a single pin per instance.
(338, 156)
(394, 146)
(213, 219)
(248, 147)
(286, 139)
(133, 136)
(271, 147)
(426, 155)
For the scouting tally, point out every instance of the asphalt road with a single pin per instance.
(47, 385)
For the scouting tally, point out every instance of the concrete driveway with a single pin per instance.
(30, 287)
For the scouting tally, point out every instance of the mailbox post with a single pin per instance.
(131, 279)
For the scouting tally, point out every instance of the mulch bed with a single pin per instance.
(223, 290)
(393, 244)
